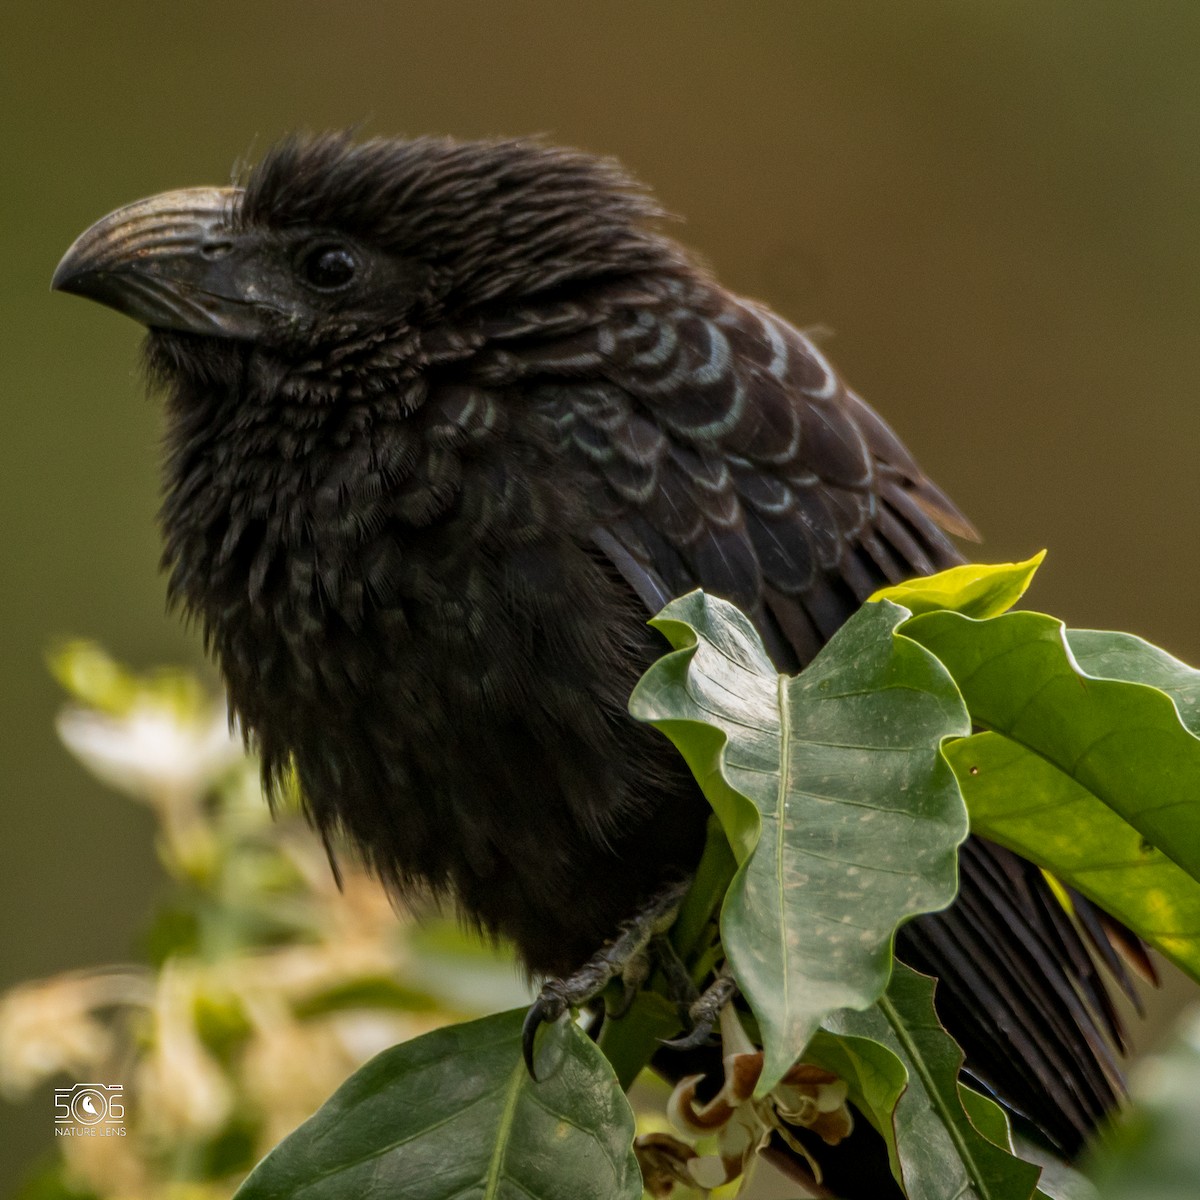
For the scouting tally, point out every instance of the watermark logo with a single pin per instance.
(89, 1110)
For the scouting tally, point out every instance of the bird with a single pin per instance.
(446, 422)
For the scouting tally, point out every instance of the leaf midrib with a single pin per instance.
(504, 1125)
(917, 1059)
(781, 794)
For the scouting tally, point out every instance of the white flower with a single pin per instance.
(151, 752)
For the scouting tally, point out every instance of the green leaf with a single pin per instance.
(875, 1076)
(934, 1128)
(454, 1113)
(1107, 655)
(631, 1042)
(1153, 1152)
(1121, 741)
(1023, 802)
(840, 810)
(974, 589)
(370, 992)
(694, 929)
(732, 676)
(1039, 787)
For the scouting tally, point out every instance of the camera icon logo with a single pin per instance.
(89, 1103)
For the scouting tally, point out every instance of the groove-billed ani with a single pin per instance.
(446, 422)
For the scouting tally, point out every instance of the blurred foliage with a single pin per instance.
(1154, 1152)
(262, 984)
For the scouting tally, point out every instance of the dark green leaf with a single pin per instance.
(832, 790)
(941, 1151)
(875, 1076)
(455, 1114)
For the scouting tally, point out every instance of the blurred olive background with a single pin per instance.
(991, 208)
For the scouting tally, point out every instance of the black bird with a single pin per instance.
(446, 421)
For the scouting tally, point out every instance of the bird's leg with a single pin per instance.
(625, 957)
(680, 987)
(705, 1012)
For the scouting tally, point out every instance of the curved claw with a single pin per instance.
(545, 1010)
(625, 957)
(533, 1022)
(704, 1013)
(694, 1039)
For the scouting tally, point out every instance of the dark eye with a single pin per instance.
(329, 268)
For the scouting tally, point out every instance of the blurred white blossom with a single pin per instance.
(151, 752)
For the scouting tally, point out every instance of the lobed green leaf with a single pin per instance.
(939, 1134)
(1020, 800)
(840, 809)
(1123, 741)
(1090, 763)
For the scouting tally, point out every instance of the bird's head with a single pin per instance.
(333, 243)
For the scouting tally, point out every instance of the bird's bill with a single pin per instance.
(169, 261)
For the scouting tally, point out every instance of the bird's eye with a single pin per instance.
(329, 268)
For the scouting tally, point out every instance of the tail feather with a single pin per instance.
(1026, 1016)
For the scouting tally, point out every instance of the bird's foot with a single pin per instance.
(680, 988)
(704, 1013)
(626, 957)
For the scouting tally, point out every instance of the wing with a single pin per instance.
(728, 455)
(734, 458)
